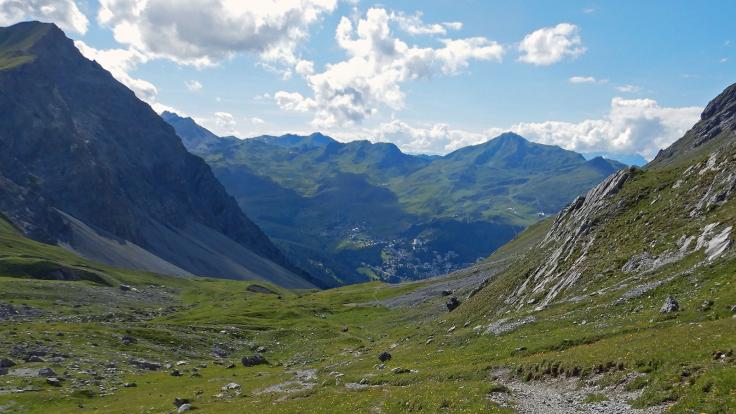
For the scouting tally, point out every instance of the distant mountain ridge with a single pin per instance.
(85, 164)
(359, 210)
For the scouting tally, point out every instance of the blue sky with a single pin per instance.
(618, 77)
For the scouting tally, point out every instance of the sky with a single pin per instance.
(611, 77)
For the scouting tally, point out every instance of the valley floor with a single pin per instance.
(116, 350)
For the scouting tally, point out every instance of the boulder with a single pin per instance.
(128, 340)
(53, 381)
(178, 401)
(255, 359)
(384, 356)
(452, 304)
(6, 363)
(670, 305)
(46, 372)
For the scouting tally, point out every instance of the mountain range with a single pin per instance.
(357, 211)
(86, 165)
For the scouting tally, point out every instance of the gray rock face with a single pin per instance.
(670, 305)
(571, 232)
(75, 140)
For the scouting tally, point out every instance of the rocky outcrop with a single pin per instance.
(569, 239)
(85, 164)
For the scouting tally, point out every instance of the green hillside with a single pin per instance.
(351, 212)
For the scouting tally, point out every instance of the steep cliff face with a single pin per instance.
(86, 164)
(639, 230)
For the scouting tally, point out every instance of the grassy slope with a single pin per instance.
(303, 330)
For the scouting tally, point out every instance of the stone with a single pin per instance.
(178, 401)
(706, 305)
(175, 373)
(384, 356)
(128, 340)
(6, 363)
(261, 349)
(670, 305)
(446, 293)
(46, 372)
(125, 288)
(53, 381)
(231, 386)
(143, 364)
(398, 370)
(733, 309)
(344, 329)
(184, 408)
(452, 304)
(255, 359)
(130, 385)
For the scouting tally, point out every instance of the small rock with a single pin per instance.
(256, 359)
(733, 309)
(230, 365)
(35, 358)
(180, 363)
(6, 363)
(452, 304)
(53, 381)
(127, 340)
(125, 288)
(384, 356)
(261, 349)
(706, 305)
(143, 364)
(184, 408)
(175, 373)
(46, 372)
(231, 386)
(446, 292)
(344, 329)
(452, 329)
(670, 305)
(178, 401)
(398, 370)
(130, 385)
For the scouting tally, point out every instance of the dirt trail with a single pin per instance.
(565, 396)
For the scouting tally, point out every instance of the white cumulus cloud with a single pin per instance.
(349, 91)
(206, 32)
(631, 126)
(550, 45)
(639, 126)
(65, 13)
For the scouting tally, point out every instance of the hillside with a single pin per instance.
(86, 165)
(351, 212)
